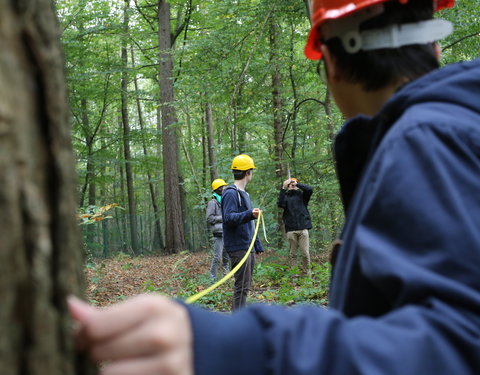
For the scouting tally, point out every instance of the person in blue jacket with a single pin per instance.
(405, 286)
(238, 227)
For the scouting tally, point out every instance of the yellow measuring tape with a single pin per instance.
(199, 295)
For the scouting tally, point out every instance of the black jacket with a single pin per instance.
(294, 204)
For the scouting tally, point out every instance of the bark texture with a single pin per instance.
(174, 226)
(40, 253)
(132, 205)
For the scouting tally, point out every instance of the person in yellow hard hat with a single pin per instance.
(404, 297)
(238, 227)
(214, 219)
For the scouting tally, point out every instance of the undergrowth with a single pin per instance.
(273, 283)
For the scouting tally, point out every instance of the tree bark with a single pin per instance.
(211, 143)
(174, 225)
(293, 118)
(41, 261)
(204, 154)
(132, 210)
(277, 105)
(277, 109)
(158, 237)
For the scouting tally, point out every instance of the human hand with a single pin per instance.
(146, 335)
(256, 212)
(286, 183)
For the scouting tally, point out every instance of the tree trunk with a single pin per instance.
(211, 143)
(105, 225)
(174, 225)
(132, 210)
(123, 232)
(277, 109)
(277, 106)
(41, 261)
(293, 119)
(89, 230)
(331, 130)
(204, 154)
(158, 238)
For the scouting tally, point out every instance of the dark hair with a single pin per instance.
(239, 175)
(377, 69)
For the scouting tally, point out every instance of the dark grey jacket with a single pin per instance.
(214, 217)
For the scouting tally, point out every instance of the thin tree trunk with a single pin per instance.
(277, 109)
(211, 143)
(204, 154)
(158, 243)
(90, 176)
(174, 226)
(295, 101)
(105, 223)
(132, 210)
(124, 239)
(41, 261)
(331, 130)
(277, 106)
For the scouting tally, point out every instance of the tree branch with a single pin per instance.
(461, 40)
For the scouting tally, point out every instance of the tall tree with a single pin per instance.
(158, 237)
(277, 105)
(174, 223)
(132, 209)
(211, 143)
(40, 257)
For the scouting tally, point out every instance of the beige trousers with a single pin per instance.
(298, 239)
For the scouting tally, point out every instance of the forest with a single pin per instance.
(115, 117)
(164, 94)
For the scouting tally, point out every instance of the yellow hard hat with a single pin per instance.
(217, 183)
(242, 162)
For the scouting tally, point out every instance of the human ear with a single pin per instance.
(332, 72)
(438, 51)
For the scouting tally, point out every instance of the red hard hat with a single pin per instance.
(323, 10)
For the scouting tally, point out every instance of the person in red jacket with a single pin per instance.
(405, 291)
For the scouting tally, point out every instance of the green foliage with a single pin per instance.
(287, 286)
(225, 59)
(273, 283)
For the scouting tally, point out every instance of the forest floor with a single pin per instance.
(181, 275)
(110, 280)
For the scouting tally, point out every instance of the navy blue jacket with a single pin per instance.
(405, 291)
(294, 204)
(238, 220)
